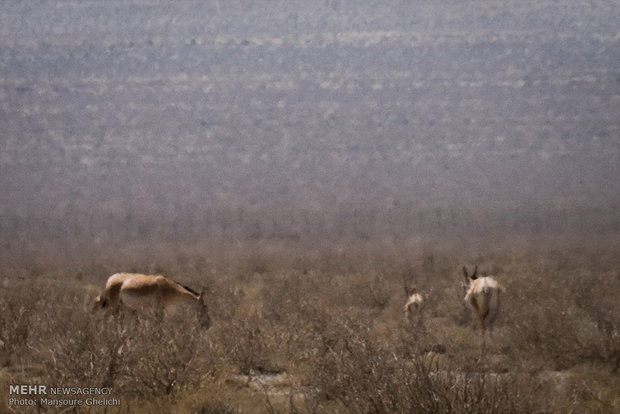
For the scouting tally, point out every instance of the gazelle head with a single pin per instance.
(411, 289)
(469, 278)
(409, 282)
(473, 276)
(100, 302)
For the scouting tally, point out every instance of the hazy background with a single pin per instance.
(307, 121)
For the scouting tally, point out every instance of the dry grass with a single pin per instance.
(315, 332)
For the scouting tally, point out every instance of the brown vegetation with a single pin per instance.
(322, 331)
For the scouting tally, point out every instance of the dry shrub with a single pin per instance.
(165, 358)
(373, 290)
(333, 322)
(16, 319)
(248, 345)
(363, 376)
(242, 338)
(215, 406)
(134, 354)
(204, 400)
(602, 310)
(566, 314)
(83, 353)
(140, 357)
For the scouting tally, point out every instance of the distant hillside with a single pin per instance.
(315, 106)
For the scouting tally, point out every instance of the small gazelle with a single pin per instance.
(413, 307)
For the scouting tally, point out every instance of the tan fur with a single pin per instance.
(483, 295)
(144, 292)
(111, 296)
(413, 307)
(414, 302)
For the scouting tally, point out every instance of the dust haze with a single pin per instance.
(300, 163)
(305, 121)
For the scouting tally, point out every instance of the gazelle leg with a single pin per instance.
(483, 333)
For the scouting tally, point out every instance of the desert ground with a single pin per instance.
(323, 330)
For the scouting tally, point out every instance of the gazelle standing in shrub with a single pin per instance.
(143, 292)
(482, 295)
(413, 307)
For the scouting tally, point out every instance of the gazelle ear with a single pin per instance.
(407, 289)
(100, 302)
(203, 295)
(96, 303)
(465, 272)
(475, 275)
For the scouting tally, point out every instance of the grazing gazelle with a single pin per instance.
(482, 294)
(141, 292)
